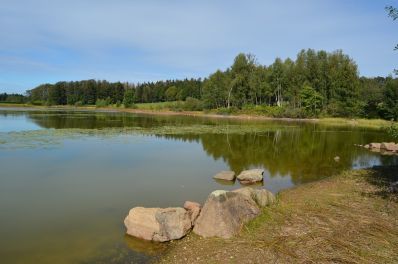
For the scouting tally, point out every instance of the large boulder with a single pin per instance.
(193, 209)
(225, 175)
(391, 146)
(261, 197)
(224, 214)
(251, 176)
(158, 224)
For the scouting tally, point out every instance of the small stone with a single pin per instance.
(225, 176)
(336, 159)
(251, 176)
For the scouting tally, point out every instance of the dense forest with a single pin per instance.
(12, 98)
(316, 83)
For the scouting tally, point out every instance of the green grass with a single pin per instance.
(159, 105)
(370, 123)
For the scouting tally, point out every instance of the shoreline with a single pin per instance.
(357, 122)
(346, 217)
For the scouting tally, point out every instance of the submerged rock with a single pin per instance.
(224, 213)
(158, 224)
(225, 175)
(193, 209)
(261, 197)
(251, 176)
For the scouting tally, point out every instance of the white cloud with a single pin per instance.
(176, 38)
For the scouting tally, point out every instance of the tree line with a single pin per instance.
(12, 98)
(91, 92)
(316, 83)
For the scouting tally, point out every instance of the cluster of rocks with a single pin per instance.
(385, 148)
(222, 215)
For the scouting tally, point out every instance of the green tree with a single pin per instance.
(277, 80)
(241, 70)
(129, 97)
(215, 90)
(390, 100)
(310, 99)
(171, 93)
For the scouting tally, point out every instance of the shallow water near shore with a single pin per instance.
(68, 178)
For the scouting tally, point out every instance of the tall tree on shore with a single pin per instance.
(241, 70)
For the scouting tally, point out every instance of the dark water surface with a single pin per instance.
(68, 178)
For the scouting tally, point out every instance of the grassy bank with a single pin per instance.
(349, 218)
(174, 108)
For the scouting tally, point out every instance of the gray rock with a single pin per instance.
(158, 224)
(224, 214)
(251, 176)
(174, 223)
(261, 197)
(225, 175)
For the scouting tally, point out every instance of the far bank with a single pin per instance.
(155, 109)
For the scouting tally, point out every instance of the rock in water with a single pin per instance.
(336, 159)
(375, 147)
(391, 146)
(224, 213)
(194, 210)
(158, 224)
(225, 175)
(261, 197)
(251, 176)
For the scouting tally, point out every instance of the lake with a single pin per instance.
(69, 178)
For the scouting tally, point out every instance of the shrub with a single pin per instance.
(37, 103)
(227, 111)
(193, 104)
(102, 102)
(79, 103)
(392, 130)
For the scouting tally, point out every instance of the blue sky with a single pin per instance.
(49, 41)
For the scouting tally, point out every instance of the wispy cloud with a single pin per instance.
(149, 40)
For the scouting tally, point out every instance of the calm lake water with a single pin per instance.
(68, 178)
